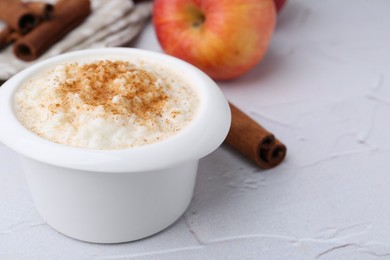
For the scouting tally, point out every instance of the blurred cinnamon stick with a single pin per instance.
(67, 15)
(4, 36)
(41, 10)
(141, 1)
(8, 36)
(16, 15)
(253, 141)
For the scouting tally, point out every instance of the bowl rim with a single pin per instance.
(200, 137)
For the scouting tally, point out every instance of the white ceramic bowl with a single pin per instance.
(111, 196)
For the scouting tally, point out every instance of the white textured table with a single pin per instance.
(323, 89)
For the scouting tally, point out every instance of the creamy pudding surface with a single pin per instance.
(106, 104)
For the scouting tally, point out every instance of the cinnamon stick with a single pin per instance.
(140, 1)
(4, 36)
(8, 36)
(41, 10)
(17, 15)
(67, 15)
(253, 141)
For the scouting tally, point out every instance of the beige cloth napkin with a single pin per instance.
(111, 24)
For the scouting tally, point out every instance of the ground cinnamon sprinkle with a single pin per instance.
(116, 86)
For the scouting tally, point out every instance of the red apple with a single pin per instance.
(224, 38)
(279, 4)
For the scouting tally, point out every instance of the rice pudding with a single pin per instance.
(106, 104)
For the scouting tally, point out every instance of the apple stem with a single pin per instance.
(197, 23)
